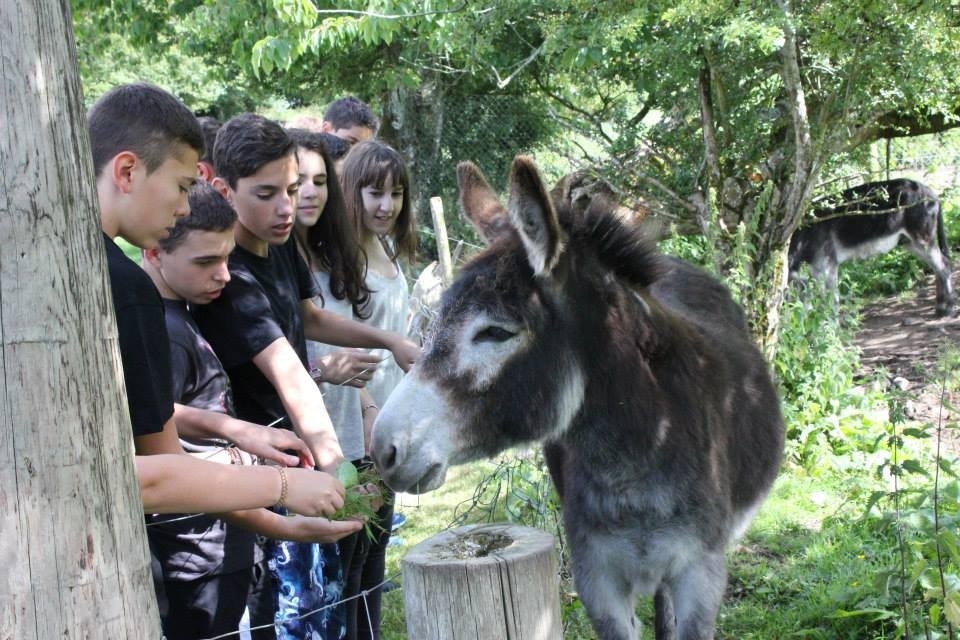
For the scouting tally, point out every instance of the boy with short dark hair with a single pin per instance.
(146, 145)
(209, 565)
(258, 328)
(350, 119)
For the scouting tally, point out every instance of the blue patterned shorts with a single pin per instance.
(309, 582)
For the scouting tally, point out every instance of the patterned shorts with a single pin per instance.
(309, 582)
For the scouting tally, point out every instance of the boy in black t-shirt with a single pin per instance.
(145, 145)
(258, 328)
(208, 566)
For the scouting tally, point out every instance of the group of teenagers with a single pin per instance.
(260, 333)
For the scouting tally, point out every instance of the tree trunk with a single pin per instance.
(483, 582)
(72, 536)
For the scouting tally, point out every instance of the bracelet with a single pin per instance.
(316, 372)
(363, 410)
(283, 487)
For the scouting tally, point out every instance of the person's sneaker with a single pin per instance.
(398, 521)
(395, 541)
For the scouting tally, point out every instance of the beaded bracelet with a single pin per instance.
(363, 411)
(235, 456)
(283, 487)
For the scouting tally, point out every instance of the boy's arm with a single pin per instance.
(325, 326)
(302, 401)
(266, 442)
(165, 441)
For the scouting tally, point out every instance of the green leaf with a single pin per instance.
(347, 474)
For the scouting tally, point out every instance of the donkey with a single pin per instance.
(874, 218)
(661, 427)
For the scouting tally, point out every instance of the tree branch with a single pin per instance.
(711, 155)
(798, 189)
(388, 16)
(503, 82)
(566, 104)
(895, 124)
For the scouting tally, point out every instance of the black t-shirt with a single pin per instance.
(199, 379)
(142, 335)
(192, 547)
(260, 304)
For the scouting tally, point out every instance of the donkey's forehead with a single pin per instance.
(495, 279)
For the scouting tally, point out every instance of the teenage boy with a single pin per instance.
(258, 327)
(146, 145)
(208, 565)
(350, 119)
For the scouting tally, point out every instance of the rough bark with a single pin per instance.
(72, 537)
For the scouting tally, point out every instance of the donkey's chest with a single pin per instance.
(650, 504)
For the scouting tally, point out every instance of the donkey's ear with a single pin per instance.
(532, 215)
(480, 204)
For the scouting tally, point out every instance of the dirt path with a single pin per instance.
(902, 335)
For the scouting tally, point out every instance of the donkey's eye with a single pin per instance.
(493, 333)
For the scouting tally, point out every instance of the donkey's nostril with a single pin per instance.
(388, 458)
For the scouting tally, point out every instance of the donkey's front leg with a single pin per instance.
(697, 593)
(606, 588)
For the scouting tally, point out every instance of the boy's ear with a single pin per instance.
(326, 127)
(223, 188)
(122, 168)
(152, 256)
(205, 169)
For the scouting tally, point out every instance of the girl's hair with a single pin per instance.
(332, 244)
(370, 164)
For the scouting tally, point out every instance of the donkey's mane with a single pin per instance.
(628, 250)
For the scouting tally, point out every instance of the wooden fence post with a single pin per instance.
(73, 545)
(483, 582)
(443, 245)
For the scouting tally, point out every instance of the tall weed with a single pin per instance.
(815, 369)
(920, 509)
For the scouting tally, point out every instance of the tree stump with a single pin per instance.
(483, 582)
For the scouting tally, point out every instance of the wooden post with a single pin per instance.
(73, 546)
(443, 245)
(483, 582)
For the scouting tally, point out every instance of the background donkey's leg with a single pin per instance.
(931, 254)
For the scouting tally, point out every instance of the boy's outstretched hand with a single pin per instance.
(270, 443)
(313, 493)
(306, 529)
